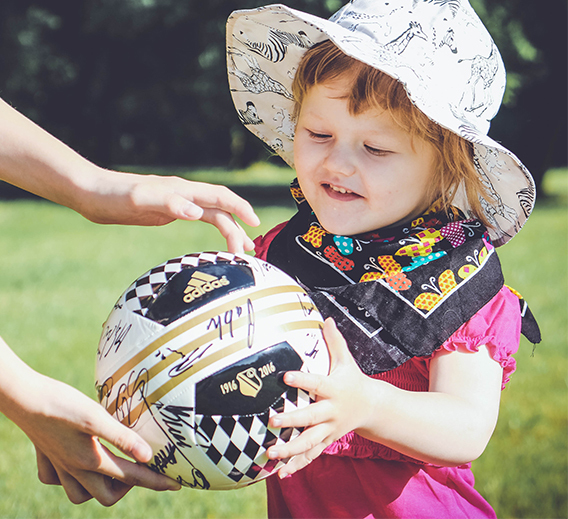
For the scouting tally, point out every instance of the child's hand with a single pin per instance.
(338, 409)
(126, 198)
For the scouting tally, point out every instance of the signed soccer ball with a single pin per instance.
(192, 356)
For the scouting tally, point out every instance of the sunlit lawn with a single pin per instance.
(60, 276)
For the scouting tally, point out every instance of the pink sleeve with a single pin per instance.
(261, 243)
(498, 326)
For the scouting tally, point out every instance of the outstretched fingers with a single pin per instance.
(209, 196)
(235, 236)
(331, 416)
(336, 344)
(301, 460)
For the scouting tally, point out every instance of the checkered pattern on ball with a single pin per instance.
(238, 443)
(145, 289)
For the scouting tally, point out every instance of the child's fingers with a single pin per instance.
(300, 461)
(338, 350)
(316, 384)
(311, 415)
(308, 440)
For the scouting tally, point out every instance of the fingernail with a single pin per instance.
(142, 451)
(273, 454)
(192, 211)
(276, 422)
(283, 475)
(173, 485)
(289, 377)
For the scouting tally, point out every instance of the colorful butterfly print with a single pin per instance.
(417, 222)
(399, 282)
(314, 236)
(421, 245)
(389, 264)
(297, 194)
(475, 262)
(428, 300)
(385, 266)
(344, 244)
(422, 260)
(371, 276)
(453, 232)
(340, 262)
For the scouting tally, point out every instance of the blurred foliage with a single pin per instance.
(144, 81)
(532, 38)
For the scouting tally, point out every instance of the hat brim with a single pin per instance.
(264, 48)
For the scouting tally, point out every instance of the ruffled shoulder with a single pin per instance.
(262, 243)
(498, 326)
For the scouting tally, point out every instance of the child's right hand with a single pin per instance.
(448, 425)
(338, 409)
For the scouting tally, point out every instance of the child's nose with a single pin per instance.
(340, 160)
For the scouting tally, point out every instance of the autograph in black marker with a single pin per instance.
(113, 337)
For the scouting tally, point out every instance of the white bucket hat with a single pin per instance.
(438, 49)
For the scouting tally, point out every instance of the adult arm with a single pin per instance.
(36, 161)
(65, 427)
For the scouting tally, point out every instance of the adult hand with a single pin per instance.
(337, 409)
(126, 198)
(65, 426)
(36, 161)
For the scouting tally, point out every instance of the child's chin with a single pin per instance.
(344, 230)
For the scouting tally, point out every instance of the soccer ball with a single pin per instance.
(192, 356)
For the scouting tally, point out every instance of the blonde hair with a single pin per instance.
(371, 89)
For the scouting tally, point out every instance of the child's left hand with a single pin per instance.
(338, 409)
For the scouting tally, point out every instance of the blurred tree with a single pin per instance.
(144, 81)
(532, 37)
(130, 82)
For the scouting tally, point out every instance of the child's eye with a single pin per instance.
(318, 136)
(376, 151)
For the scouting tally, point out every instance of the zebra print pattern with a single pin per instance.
(276, 46)
(526, 200)
(454, 5)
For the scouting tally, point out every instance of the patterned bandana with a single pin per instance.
(394, 293)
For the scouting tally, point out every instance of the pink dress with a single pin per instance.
(358, 478)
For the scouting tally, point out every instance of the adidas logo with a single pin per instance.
(201, 283)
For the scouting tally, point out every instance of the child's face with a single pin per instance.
(358, 172)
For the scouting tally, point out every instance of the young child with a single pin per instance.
(402, 198)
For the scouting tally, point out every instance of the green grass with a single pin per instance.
(524, 470)
(60, 276)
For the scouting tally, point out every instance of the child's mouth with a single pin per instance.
(340, 193)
